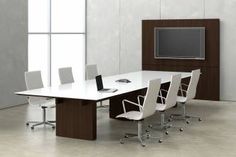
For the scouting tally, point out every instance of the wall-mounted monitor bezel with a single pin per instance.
(202, 43)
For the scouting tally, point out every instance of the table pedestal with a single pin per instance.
(76, 118)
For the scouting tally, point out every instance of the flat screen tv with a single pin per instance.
(179, 43)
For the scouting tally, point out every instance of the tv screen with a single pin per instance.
(179, 42)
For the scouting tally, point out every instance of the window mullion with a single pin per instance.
(50, 43)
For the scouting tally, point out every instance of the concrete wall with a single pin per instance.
(114, 33)
(13, 50)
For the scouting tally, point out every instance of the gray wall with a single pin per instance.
(114, 33)
(13, 50)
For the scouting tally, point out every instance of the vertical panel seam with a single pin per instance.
(160, 9)
(204, 9)
(50, 43)
(119, 49)
(86, 37)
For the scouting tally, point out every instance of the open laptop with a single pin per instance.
(100, 85)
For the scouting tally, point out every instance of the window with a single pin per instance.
(56, 37)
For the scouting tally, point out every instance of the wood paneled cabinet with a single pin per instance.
(209, 83)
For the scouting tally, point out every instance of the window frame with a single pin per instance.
(50, 33)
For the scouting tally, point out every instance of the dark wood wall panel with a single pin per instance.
(208, 87)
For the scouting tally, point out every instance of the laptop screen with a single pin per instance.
(99, 82)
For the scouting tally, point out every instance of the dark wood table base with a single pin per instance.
(76, 119)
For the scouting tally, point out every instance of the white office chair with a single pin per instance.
(91, 73)
(188, 92)
(66, 75)
(33, 80)
(146, 110)
(168, 102)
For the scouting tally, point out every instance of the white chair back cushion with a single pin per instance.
(33, 80)
(172, 91)
(66, 75)
(192, 87)
(91, 71)
(149, 104)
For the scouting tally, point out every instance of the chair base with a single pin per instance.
(37, 123)
(140, 135)
(184, 116)
(164, 126)
(44, 122)
(130, 135)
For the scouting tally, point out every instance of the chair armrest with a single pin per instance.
(163, 90)
(162, 99)
(161, 96)
(138, 97)
(182, 90)
(184, 84)
(141, 96)
(130, 102)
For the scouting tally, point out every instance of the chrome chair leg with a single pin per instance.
(164, 126)
(33, 122)
(140, 135)
(184, 116)
(44, 122)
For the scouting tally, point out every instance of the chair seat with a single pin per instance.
(131, 115)
(162, 107)
(181, 99)
(45, 102)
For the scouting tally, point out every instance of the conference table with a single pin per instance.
(76, 113)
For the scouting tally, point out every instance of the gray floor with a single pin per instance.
(214, 136)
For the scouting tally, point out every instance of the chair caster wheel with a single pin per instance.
(148, 136)
(181, 129)
(53, 127)
(199, 119)
(32, 128)
(150, 126)
(147, 130)
(160, 141)
(126, 136)
(169, 120)
(121, 142)
(187, 121)
(27, 124)
(167, 133)
(143, 145)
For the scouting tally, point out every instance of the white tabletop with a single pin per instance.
(87, 90)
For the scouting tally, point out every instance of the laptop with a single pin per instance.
(100, 85)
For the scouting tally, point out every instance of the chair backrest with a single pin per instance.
(33, 80)
(173, 91)
(192, 87)
(91, 71)
(66, 75)
(149, 104)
